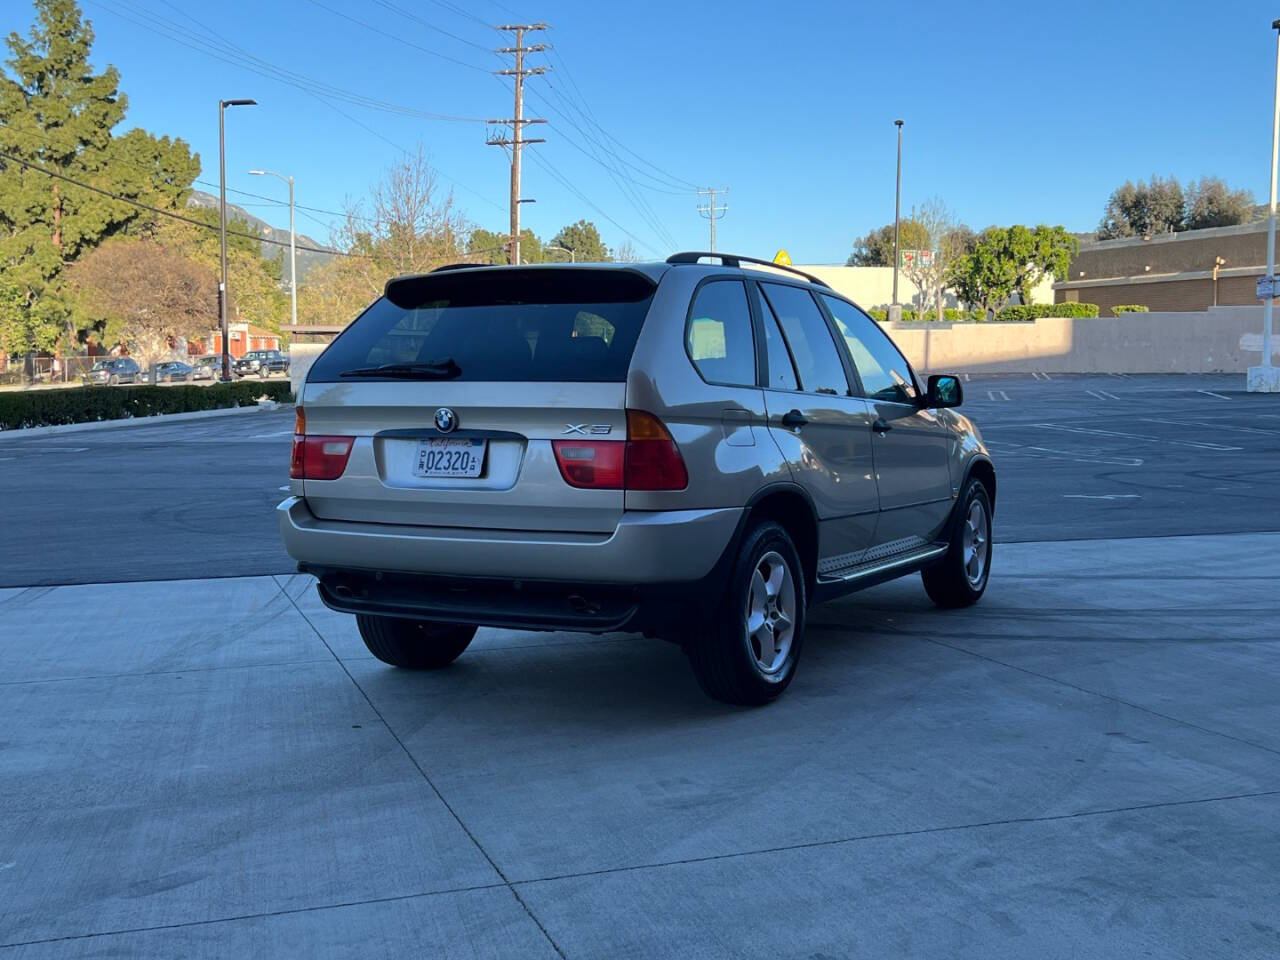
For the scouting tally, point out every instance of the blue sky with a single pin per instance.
(1015, 112)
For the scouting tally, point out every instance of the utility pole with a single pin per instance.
(517, 140)
(711, 211)
(222, 225)
(895, 308)
(1265, 378)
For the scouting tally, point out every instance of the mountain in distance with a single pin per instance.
(307, 259)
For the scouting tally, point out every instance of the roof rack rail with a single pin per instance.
(457, 266)
(737, 260)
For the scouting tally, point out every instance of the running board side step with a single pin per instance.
(917, 557)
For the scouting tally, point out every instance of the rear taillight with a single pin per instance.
(596, 464)
(317, 457)
(653, 459)
(647, 460)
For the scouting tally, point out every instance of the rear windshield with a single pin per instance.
(499, 325)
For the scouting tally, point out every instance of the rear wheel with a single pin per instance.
(746, 653)
(415, 644)
(960, 577)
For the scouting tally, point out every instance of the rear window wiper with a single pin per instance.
(445, 369)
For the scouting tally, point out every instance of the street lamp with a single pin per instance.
(895, 310)
(573, 258)
(222, 223)
(1265, 378)
(293, 253)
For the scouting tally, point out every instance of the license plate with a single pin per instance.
(449, 458)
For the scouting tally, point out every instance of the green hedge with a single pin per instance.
(1020, 313)
(39, 408)
(1120, 308)
(1011, 314)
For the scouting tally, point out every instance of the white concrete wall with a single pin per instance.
(873, 286)
(1220, 340)
(301, 356)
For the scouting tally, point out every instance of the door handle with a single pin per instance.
(794, 418)
(881, 426)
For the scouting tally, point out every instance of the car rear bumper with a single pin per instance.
(646, 547)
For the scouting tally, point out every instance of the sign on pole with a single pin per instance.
(1268, 288)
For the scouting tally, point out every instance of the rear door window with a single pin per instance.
(499, 325)
(809, 339)
(718, 335)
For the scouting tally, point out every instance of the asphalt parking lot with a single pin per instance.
(1086, 764)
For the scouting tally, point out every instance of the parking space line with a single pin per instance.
(1047, 453)
(1102, 395)
(1210, 393)
(1213, 426)
(278, 433)
(1136, 436)
(1102, 496)
(991, 395)
(1122, 376)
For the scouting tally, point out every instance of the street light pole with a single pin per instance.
(1265, 378)
(293, 252)
(895, 309)
(222, 226)
(573, 257)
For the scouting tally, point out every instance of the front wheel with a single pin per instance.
(960, 578)
(414, 644)
(747, 652)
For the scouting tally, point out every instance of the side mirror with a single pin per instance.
(944, 391)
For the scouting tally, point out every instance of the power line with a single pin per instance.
(384, 33)
(229, 53)
(169, 213)
(410, 15)
(568, 185)
(318, 97)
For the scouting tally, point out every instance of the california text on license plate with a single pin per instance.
(449, 458)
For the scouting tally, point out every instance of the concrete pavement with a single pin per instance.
(1086, 764)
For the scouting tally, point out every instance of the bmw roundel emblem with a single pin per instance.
(446, 420)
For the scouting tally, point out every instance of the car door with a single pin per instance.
(911, 443)
(822, 428)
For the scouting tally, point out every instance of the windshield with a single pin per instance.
(513, 325)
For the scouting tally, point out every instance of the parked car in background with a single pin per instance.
(114, 371)
(208, 367)
(693, 451)
(171, 371)
(263, 363)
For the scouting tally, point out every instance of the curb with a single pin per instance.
(125, 422)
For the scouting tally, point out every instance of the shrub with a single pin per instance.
(879, 313)
(1034, 311)
(1072, 310)
(39, 408)
(1128, 308)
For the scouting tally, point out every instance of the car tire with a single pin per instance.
(766, 587)
(960, 578)
(414, 644)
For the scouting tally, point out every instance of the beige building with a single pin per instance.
(1192, 270)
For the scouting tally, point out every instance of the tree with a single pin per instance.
(1211, 203)
(1143, 210)
(947, 240)
(626, 253)
(584, 240)
(1008, 260)
(876, 248)
(57, 115)
(145, 294)
(411, 228)
(485, 246)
